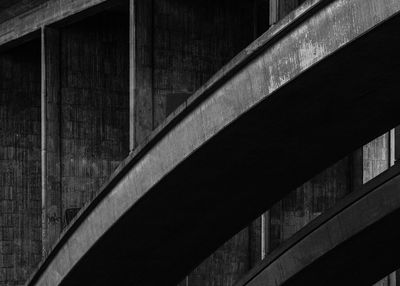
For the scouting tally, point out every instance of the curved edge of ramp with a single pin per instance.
(357, 236)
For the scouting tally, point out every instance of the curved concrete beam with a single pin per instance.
(310, 90)
(352, 244)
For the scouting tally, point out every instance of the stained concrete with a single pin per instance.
(135, 197)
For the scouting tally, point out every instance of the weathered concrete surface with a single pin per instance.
(94, 96)
(314, 197)
(168, 206)
(13, 8)
(332, 249)
(20, 239)
(46, 13)
(376, 157)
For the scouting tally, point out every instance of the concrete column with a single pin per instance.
(273, 11)
(51, 176)
(43, 119)
(132, 74)
(142, 19)
(376, 157)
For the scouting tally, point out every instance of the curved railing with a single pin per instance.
(258, 129)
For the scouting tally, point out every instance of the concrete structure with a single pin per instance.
(331, 249)
(139, 136)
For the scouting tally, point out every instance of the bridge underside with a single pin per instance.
(341, 246)
(241, 143)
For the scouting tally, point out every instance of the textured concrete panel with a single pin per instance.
(20, 208)
(94, 104)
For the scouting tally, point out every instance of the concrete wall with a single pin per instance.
(94, 104)
(20, 196)
(193, 40)
(180, 45)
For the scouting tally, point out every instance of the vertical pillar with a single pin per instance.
(273, 11)
(142, 111)
(43, 144)
(132, 74)
(376, 157)
(255, 241)
(392, 147)
(50, 139)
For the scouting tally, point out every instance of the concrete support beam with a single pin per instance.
(51, 136)
(48, 13)
(142, 30)
(273, 11)
(43, 119)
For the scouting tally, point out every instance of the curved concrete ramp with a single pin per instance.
(355, 243)
(285, 108)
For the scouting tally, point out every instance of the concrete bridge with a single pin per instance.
(124, 83)
(332, 249)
